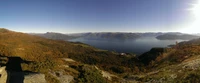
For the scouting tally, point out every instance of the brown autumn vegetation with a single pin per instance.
(47, 54)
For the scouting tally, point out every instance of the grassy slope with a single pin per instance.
(180, 63)
(47, 55)
(177, 64)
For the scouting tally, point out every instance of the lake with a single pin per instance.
(136, 46)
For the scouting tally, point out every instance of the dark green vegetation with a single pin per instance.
(89, 75)
(55, 58)
(147, 57)
(174, 36)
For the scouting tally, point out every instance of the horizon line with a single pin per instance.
(101, 32)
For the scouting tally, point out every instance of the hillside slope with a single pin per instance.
(62, 61)
(179, 64)
(48, 57)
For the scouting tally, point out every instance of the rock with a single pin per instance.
(191, 64)
(106, 74)
(61, 77)
(27, 77)
(69, 60)
(34, 78)
(65, 78)
(3, 75)
(173, 76)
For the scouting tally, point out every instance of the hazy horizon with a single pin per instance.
(97, 32)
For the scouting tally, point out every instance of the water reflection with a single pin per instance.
(137, 46)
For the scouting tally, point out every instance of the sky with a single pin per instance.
(75, 16)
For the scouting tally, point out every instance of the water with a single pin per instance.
(136, 46)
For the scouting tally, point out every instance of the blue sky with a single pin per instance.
(73, 16)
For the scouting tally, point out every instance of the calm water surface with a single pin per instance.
(137, 46)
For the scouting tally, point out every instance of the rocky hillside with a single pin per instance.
(179, 64)
(54, 61)
(62, 61)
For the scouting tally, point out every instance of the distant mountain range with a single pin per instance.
(118, 35)
(109, 35)
(174, 36)
(53, 35)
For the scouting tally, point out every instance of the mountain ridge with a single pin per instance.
(175, 36)
(117, 35)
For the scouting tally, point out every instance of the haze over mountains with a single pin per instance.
(53, 35)
(173, 36)
(119, 35)
(136, 43)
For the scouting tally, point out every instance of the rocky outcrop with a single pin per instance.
(34, 78)
(3, 75)
(65, 78)
(62, 77)
(106, 74)
(27, 77)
